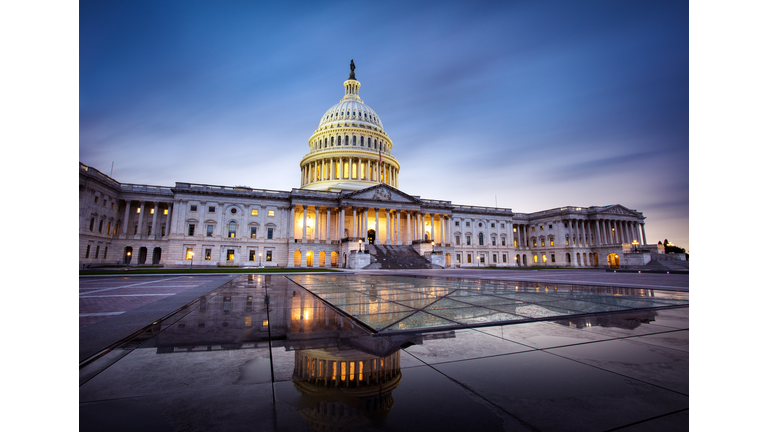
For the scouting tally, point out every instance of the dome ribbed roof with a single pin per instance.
(351, 108)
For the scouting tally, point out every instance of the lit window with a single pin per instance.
(152, 211)
(542, 227)
(193, 208)
(543, 258)
(534, 243)
(253, 232)
(533, 228)
(232, 229)
(189, 254)
(254, 212)
(269, 233)
(109, 226)
(138, 210)
(269, 256)
(230, 254)
(209, 231)
(514, 229)
(551, 242)
(191, 230)
(165, 212)
(252, 255)
(535, 258)
(207, 254)
(515, 243)
(271, 213)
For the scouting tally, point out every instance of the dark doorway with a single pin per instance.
(156, 256)
(142, 255)
(371, 236)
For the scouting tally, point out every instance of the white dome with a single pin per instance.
(351, 108)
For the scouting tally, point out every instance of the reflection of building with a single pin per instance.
(349, 192)
(625, 320)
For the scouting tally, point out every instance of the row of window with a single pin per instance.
(481, 240)
(352, 114)
(212, 209)
(480, 224)
(494, 258)
(231, 232)
(336, 141)
(96, 252)
(104, 202)
(189, 255)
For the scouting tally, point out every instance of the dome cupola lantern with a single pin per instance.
(349, 150)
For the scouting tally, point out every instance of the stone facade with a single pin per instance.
(348, 193)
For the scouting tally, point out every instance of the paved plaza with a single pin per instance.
(286, 352)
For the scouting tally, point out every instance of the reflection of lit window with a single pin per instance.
(247, 322)
(264, 323)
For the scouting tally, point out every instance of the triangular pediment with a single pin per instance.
(617, 209)
(382, 193)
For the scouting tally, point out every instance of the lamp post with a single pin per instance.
(128, 254)
(360, 245)
(433, 246)
(191, 258)
(635, 243)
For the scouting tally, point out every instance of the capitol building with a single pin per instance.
(348, 212)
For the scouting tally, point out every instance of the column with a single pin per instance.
(291, 226)
(398, 232)
(588, 233)
(597, 233)
(642, 228)
(127, 215)
(423, 231)
(354, 222)
(378, 233)
(328, 224)
(341, 223)
(442, 230)
(389, 238)
(408, 222)
(449, 223)
(141, 217)
(154, 219)
(168, 220)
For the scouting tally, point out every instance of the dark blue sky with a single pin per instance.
(535, 105)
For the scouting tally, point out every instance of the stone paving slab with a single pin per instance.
(98, 336)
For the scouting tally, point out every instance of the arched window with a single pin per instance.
(346, 140)
(354, 140)
(369, 142)
(480, 238)
(331, 141)
(232, 229)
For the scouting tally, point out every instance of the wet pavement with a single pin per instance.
(261, 352)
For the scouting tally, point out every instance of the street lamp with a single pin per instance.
(635, 243)
(433, 246)
(191, 258)
(128, 254)
(360, 245)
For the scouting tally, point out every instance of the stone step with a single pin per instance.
(390, 257)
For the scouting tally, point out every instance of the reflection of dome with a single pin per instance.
(349, 150)
(345, 389)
